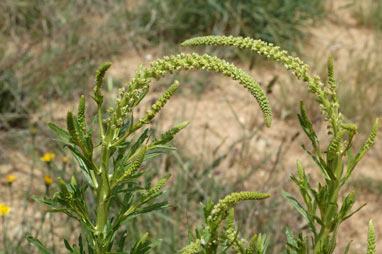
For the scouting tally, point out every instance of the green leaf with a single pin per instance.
(143, 246)
(307, 126)
(351, 214)
(327, 174)
(347, 204)
(125, 127)
(146, 209)
(82, 251)
(153, 154)
(35, 242)
(67, 245)
(84, 167)
(122, 240)
(60, 132)
(162, 147)
(299, 208)
(138, 143)
(291, 241)
(347, 248)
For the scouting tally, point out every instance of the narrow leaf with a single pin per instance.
(35, 242)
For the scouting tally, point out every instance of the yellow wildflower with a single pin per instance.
(4, 210)
(48, 180)
(65, 159)
(11, 178)
(48, 157)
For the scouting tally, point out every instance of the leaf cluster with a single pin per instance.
(219, 234)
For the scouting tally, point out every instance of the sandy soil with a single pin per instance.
(223, 114)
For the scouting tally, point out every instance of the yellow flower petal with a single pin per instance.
(48, 180)
(48, 157)
(11, 178)
(4, 210)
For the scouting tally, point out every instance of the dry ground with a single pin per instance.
(215, 117)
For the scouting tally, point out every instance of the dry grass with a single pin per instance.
(218, 114)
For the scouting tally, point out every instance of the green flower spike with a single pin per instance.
(169, 135)
(175, 63)
(371, 242)
(81, 114)
(133, 168)
(295, 64)
(158, 105)
(220, 210)
(71, 128)
(99, 80)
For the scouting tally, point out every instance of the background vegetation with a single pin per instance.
(48, 56)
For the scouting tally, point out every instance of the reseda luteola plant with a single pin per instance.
(112, 163)
(321, 211)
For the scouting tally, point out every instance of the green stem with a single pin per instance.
(103, 191)
(332, 115)
(4, 232)
(94, 179)
(102, 208)
(123, 138)
(100, 121)
(327, 216)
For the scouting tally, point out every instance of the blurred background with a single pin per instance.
(50, 50)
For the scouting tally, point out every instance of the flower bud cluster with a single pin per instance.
(231, 235)
(192, 248)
